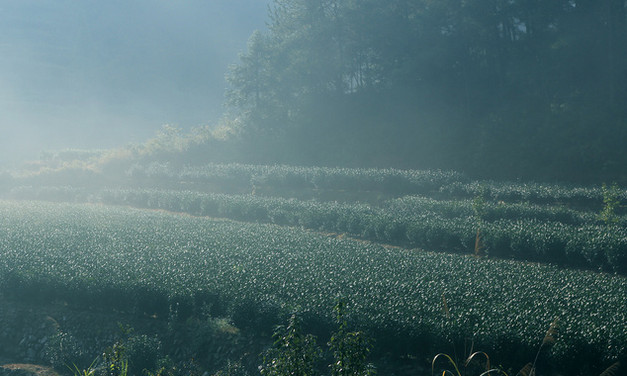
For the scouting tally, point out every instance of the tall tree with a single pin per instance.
(479, 85)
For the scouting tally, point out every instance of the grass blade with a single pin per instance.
(450, 361)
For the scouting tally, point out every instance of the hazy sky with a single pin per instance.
(96, 73)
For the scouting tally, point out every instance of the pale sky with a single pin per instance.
(97, 74)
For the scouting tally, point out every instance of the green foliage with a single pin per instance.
(143, 353)
(115, 360)
(89, 371)
(431, 69)
(527, 192)
(142, 261)
(479, 206)
(350, 349)
(232, 369)
(242, 176)
(523, 231)
(293, 353)
(466, 365)
(62, 349)
(611, 202)
(130, 355)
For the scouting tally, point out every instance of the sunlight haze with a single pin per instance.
(85, 74)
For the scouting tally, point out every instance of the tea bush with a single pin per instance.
(522, 231)
(152, 262)
(293, 177)
(586, 197)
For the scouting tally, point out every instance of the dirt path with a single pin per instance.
(32, 369)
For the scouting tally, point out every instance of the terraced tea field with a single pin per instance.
(254, 243)
(147, 261)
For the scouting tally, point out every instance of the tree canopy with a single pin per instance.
(498, 88)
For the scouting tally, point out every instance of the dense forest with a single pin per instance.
(499, 88)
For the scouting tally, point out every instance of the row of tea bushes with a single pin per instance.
(56, 193)
(407, 205)
(156, 262)
(520, 231)
(314, 215)
(588, 246)
(588, 197)
(446, 226)
(188, 201)
(391, 181)
(273, 180)
(490, 210)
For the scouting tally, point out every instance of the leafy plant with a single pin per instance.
(350, 349)
(480, 211)
(89, 371)
(293, 352)
(611, 201)
(143, 353)
(115, 360)
(479, 206)
(232, 369)
(62, 348)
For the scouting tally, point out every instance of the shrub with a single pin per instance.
(293, 352)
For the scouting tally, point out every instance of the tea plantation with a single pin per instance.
(425, 259)
(145, 261)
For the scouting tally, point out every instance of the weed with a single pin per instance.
(611, 370)
(116, 360)
(611, 201)
(467, 363)
(528, 370)
(296, 354)
(89, 371)
(479, 247)
(293, 353)
(232, 369)
(549, 338)
(350, 349)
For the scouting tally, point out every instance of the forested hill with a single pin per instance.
(498, 88)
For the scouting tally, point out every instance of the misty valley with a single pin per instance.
(313, 187)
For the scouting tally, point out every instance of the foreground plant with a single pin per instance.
(611, 202)
(293, 353)
(149, 261)
(89, 371)
(115, 363)
(467, 363)
(350, 349)
(528, 370)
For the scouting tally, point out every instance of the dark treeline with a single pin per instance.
(497, 88)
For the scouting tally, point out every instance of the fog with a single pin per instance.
(97, 74)
(521, 95)
(241, 187)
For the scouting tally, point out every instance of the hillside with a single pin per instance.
(506, 258)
